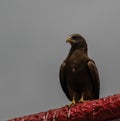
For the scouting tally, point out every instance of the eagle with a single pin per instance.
(79, 77)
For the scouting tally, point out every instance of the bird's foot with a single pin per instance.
(72, 103)
(82, 100)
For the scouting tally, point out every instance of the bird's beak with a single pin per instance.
(69, 39)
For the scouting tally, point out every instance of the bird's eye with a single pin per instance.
(75, 38)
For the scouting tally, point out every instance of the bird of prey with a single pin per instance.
(78, 75)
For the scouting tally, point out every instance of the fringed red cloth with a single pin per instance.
(104, 109)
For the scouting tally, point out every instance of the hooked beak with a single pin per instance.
(70, 40)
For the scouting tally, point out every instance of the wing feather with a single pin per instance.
(63, 82)
(95, 77)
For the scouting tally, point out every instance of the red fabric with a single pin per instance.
(104, 109)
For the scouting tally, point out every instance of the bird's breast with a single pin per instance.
(77, 66)
(77, 61)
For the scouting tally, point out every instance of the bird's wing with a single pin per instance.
(95, 77)
(63, 82)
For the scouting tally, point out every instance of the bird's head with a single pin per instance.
(76, 40)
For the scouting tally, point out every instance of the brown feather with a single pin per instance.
(78, 73)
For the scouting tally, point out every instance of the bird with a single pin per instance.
(78, 74)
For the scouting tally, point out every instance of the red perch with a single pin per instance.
(104, 109)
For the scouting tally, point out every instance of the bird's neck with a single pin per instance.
(84, 50)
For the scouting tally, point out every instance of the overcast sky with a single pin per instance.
(32, 47)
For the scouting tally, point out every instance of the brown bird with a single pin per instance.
(79, 76)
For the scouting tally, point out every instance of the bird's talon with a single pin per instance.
(71, 104)
(82, 99)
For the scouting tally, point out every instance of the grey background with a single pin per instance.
(32, 47)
